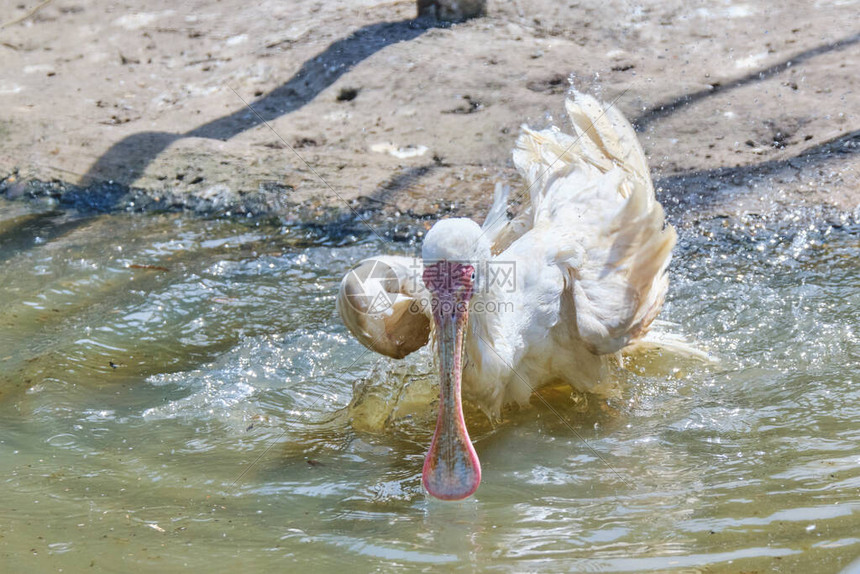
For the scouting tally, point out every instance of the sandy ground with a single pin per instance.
(741, 107)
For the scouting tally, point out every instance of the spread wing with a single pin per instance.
(591, 198)
(382, 302)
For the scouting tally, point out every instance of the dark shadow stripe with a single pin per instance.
(706, 187)
(127, 159)
(665, 109)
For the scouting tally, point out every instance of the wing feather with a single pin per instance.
(591, 193)
(382, 301)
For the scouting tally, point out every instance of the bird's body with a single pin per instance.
(543, 298)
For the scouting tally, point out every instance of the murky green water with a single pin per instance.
(171, 388)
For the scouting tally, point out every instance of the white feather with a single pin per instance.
(588, 249)
(457, 239)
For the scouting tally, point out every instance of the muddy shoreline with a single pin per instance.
(325, 115)
(765, 190)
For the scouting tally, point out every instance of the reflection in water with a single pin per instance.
(178, 393)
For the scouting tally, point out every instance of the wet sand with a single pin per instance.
(312, 111)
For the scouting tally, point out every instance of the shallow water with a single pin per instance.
(175, 393)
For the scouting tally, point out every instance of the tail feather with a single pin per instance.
(665, 338)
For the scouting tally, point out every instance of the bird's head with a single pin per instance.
(455, 253)
(458, 239)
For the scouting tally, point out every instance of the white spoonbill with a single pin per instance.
(545, 297)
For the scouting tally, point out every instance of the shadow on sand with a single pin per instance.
(126, 160)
